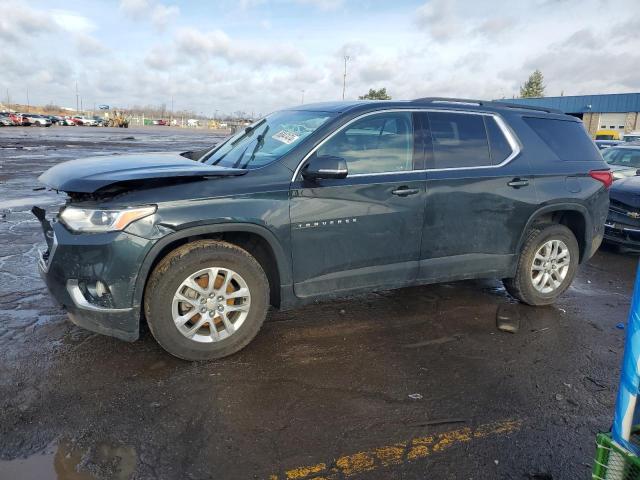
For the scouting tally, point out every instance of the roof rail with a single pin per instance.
(494, 103)
(455, 101)
(527, 107)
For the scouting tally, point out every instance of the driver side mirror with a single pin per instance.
(325, 166)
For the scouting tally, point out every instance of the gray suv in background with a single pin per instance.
(319, 201)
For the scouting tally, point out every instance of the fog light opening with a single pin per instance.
(101, 289)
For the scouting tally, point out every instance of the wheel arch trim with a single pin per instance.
(282, 262)
(560, 207)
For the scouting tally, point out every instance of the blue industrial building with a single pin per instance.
(618, 111)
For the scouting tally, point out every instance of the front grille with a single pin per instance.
(623, 208)
(624, 215)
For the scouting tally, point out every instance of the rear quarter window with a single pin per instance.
(568, 139)
(500, 148)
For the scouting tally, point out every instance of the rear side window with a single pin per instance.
(500, 148)
(459, 140)
(569, 140)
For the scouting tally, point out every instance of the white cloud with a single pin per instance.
(322, 4)
(135, 8)
(216, 44)
(159, 14)
(72, 22)
(438, 18)
(18, 22)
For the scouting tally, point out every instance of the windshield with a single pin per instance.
(624, 157)
(267, 140)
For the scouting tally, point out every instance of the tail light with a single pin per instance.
(604, 176)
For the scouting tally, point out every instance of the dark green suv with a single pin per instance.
(317, 201)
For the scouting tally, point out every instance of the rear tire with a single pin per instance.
(546, 267)
(216, 270)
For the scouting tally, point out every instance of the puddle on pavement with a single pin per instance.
(66, 462)
(30, 201)
(516, 317)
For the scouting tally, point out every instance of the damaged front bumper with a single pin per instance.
(93, 277)
(623, 235)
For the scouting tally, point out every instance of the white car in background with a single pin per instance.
(37, 120)
(85, 121)
(631, 137)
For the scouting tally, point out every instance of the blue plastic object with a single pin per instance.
(627, 412)
(620, 326)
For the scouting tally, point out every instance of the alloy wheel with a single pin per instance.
(550, 266)
(211, 304)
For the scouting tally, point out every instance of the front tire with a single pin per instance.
(547, 265)
(206, 300)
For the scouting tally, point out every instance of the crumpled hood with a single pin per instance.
(627, 191)
(87, 175)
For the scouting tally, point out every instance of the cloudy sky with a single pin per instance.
(259, 55)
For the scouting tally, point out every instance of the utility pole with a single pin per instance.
(28, 106)
(8, 100)
(344, 78)
(171, 119)
(302, 103)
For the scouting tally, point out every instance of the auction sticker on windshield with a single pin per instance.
(285, 136)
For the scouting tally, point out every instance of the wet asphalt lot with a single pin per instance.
(408, 384)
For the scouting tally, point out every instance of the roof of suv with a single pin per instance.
(437, 102)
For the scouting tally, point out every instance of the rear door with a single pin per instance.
(479, 196)
(362, 231)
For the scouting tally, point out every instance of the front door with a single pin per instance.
(362, 231)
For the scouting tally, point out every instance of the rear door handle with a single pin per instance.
(405, 191)
(518, 182)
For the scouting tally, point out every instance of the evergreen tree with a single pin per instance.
(534, 86)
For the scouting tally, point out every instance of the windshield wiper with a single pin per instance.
(248, 130)
(259, 143)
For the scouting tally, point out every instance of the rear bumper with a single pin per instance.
(72, 266)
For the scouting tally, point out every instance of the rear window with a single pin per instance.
(459, 140)
(568, 139)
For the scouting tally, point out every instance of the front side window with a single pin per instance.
(267, 140)
(375, 144)
(459, 140)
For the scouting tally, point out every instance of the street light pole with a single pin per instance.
(344, 78)
(77, 98)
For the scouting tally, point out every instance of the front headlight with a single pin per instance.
(96, 220)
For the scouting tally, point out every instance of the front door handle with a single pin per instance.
(405, 191)
(518, 182)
